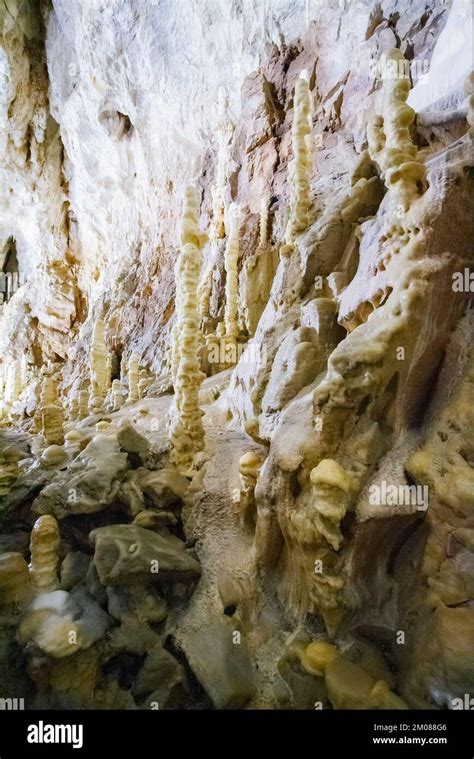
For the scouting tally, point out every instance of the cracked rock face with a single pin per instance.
(235, 369)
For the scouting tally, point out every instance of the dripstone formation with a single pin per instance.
(236, 381)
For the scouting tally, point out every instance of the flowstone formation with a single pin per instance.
(236, 460)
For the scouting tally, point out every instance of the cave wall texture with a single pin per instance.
(347, 314)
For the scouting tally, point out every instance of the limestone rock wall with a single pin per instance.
(328, 143)
(115, 110)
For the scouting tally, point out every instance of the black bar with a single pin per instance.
(445, 733)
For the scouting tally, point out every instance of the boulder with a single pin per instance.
(129, 555)
(222, 666)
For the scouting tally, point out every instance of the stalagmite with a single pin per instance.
(299, 169)
(9, 458)
(143, 383)
(224, 130)
(17, 380)
(74, 408)
(256, 276)
(24, 371)
(331, 488)
(218, 229)
(117, 395)
(15, 586)
(349, 685)
(54, 455)
(133, 369)
(215, 350)
(243, 499)
(44, 547)
(49, 391)
(83, 410)
(98, 367)
(263, 224)
(123, 368)
(186, 430)
(103, 426)
(72, 441)
(390, 142)
(189, 234)
(261, 496)
(231, 258)
(52, 418)
(108, 371)
(13, 384)
(48, 397)
(174, 350)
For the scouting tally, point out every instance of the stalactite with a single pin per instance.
(44, 547)
(186, 430)
(299, 169)
(133, 369)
